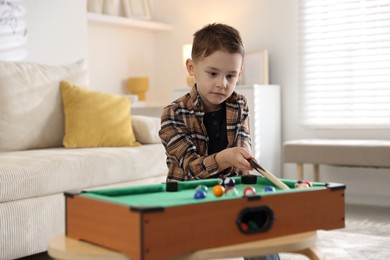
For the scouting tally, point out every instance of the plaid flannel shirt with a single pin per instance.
(185, 138)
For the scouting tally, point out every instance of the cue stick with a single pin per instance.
(268, 175)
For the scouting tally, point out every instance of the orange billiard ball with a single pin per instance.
(218, 190)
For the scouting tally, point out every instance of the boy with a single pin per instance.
(206, 132)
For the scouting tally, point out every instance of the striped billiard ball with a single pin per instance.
(249, 191)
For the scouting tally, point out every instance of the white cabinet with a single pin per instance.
(265, 123)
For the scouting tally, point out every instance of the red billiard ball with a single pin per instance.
(231, 191)
(218, 190)
(249, 191)
(200, 194)
(302, 184)
(244, 226)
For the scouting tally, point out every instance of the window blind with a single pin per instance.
(345, 63)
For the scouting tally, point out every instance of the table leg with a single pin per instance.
(64, 248)
(312, 253)
(300, 171)
(316, 172)
(303, 243)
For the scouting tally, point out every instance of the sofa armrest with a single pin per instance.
(146, 129)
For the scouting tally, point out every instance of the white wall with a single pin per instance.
(116, 53)
(59, 33)
(56, 31)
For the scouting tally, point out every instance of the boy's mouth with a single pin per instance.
(218, 94)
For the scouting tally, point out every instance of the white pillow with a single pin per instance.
(146, 129)
(31, 111)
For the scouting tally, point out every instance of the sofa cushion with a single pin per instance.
(31, 114)
(146, 129)
(34, 173)
(96, 119)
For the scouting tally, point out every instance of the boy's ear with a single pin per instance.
(240, 74)
(190, 67)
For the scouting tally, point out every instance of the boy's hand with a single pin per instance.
(236, 157)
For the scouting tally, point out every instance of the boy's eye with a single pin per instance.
(230, 76)
(213, 74)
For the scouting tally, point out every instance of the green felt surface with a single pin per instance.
(156, 196)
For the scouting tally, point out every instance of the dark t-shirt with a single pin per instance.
(215, 123)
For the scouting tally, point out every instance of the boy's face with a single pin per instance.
(216, 77)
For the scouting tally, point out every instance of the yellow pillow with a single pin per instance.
(95, 119)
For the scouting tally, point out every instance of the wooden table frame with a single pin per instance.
(63, 248)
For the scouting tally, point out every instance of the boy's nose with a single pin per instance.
(222, 82)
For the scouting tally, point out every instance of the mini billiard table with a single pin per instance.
(164, 220)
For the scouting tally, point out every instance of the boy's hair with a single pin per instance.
(215, 37)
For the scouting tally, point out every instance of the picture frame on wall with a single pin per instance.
(256, 68)
(139, 9)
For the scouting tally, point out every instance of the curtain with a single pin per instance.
(345, 63)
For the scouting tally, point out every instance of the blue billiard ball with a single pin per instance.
(202, 187)
(229, 182)
(200, 194)
(269, 189)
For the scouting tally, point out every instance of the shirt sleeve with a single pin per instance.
(186, 158)
(239, 119)
(243, 132)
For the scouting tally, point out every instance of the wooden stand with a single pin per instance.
(62, 247)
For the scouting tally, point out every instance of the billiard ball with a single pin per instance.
(221, 181)
(229, 182)
(244, 226)
(269, 189)
(218, 190)
(253, 225)
(249, 191)
(200, 194)
(202, 187)
(302, 184)
(231, 191)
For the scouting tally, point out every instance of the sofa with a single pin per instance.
(57, 135)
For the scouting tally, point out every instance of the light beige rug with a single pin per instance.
(360, 240)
